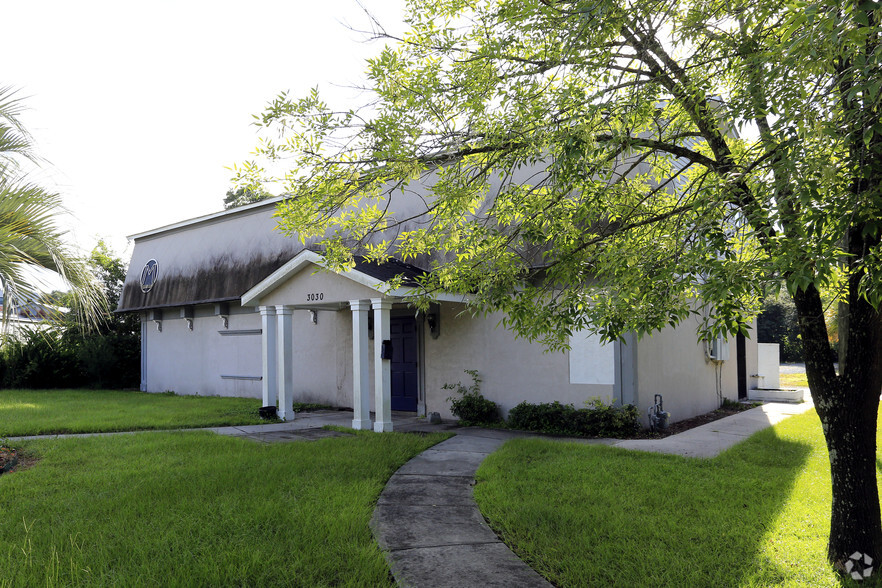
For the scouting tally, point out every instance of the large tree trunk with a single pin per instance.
(847, 405)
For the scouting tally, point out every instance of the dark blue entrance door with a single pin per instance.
(405, 381)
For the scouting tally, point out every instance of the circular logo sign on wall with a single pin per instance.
(149, 275)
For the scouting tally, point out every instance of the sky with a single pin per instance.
(139, 109)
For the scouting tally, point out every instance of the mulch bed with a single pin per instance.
(697, 421)
(8, 459)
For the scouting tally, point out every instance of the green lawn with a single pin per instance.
(198, 509)
(794, 380)
(757, 515)
(38, 412)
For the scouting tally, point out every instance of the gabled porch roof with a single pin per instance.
(373, 276)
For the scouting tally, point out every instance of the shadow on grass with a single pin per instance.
(597, 516)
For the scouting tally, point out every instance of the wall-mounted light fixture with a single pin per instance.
(433, 319)
(313, 316)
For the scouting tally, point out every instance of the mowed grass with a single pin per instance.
(586, 515)
(198, 509)
(794, 380)
(42, 412)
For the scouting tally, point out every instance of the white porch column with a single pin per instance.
(382, 367)
(268, 344)
(361, 390)
(284, 361)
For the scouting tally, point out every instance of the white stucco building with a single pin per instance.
(231, 307)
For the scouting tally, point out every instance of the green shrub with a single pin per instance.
(59, 358)
(111, 360)
(39, 359)
(596, 420)
(63, 354)
(470, 407)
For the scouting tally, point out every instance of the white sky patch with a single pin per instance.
(139, 108)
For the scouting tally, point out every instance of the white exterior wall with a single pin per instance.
(323, 358)
(673, 363)
(192, 362)
(512, 370)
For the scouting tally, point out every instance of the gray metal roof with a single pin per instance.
(213, 258)
(219, 257)
(390, 269)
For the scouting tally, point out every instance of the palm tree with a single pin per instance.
(29, 235)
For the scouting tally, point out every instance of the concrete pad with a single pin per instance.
(753, 416)
(487, 565)
(318, 422)
(428, 491)
(777, 394)
(269, 428)
(715, 437)
(405, 527)
(443, 463)
(229, 431)
(742, 428)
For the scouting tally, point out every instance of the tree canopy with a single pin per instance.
(622, 166)
(634, 111)
(242, 196)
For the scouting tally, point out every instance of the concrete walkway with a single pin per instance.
(434, 535)
(715, 437)
(430, 527)
(306, 426)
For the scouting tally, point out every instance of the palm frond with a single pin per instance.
(29, 234)
(16, 142)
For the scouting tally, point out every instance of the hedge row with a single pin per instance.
(596, 420)
(61, 359)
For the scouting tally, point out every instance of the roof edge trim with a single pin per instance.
(175, 305)
(207, 217)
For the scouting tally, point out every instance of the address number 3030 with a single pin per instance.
(315, 296)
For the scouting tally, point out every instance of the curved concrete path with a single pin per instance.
(715, 437)
(430, 527)
(434, 535)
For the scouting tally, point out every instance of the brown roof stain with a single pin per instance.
(221, 279)
(225, 279)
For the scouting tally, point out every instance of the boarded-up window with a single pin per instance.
(591, 362)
